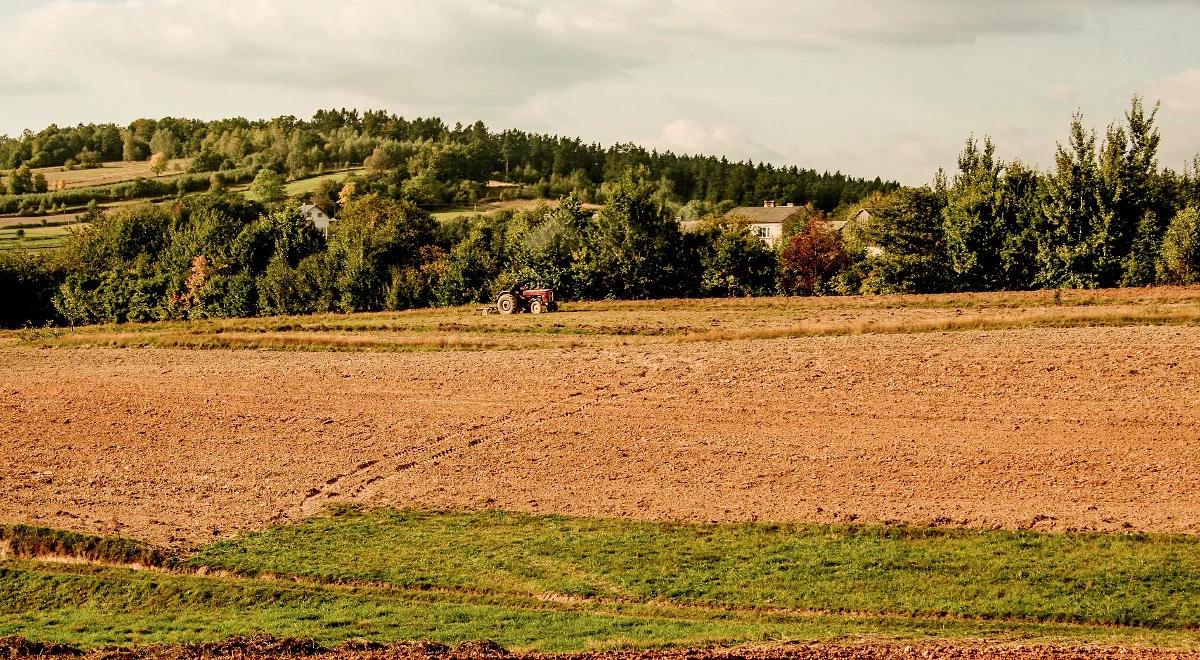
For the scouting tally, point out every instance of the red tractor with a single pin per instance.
(519, 299)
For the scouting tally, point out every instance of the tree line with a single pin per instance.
(221, 255)
(1106, 214)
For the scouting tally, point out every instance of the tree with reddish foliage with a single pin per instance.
(811, 258)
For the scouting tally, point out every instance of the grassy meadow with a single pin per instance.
(557, 583)
(33, 238)
(301, 187)
(454, 212)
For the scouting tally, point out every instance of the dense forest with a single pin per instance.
(1106, 214)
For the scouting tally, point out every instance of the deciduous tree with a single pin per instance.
(268, 186)
(811, 258)
(1180, 260)
(158, 163)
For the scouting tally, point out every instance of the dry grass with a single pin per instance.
(612, 323)
(39, 542)
(1066, 318)
(109, 173)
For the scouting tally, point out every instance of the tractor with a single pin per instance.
(519, 299)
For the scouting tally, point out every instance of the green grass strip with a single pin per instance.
(90, 606)
(556, 583)
(1140, 580)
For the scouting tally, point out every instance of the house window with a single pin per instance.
(763, 232)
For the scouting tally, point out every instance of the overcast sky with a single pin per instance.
(868, 87)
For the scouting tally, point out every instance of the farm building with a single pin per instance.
(318, 217)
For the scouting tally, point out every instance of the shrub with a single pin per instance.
(283, 290)
(29, 283)
(1179, 262)
(811, 260)
(736, 262)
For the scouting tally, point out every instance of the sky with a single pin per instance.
(886, 88)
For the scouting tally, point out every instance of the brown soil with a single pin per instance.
(268, 647)
(1055, 429)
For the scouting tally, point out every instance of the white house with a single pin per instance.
(316, 216)
(766, 221)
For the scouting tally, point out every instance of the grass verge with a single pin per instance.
(602, 325)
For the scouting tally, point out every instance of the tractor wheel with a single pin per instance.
(506, 303)
(535, 306)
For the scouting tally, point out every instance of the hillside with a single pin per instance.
(426, 159)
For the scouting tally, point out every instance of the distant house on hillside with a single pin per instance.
(316, 216)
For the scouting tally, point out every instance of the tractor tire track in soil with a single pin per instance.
(575, 404)
(1049, 429)
(370, 477)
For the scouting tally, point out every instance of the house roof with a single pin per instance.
(765, 215)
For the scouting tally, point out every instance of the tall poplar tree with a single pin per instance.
(972, 220)
(1069, 246)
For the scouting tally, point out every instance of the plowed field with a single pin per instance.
(266, 647)
(1044, 428)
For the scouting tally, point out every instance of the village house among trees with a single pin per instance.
(317, 217)
(772, 222)
(767, 221)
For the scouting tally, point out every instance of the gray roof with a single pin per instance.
(765, 215)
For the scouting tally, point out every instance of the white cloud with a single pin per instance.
(843, 78)
(452, 51)
(463, 52)
(1180, 92)
(685, 136)
(1062, 92)
(1180, 96)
